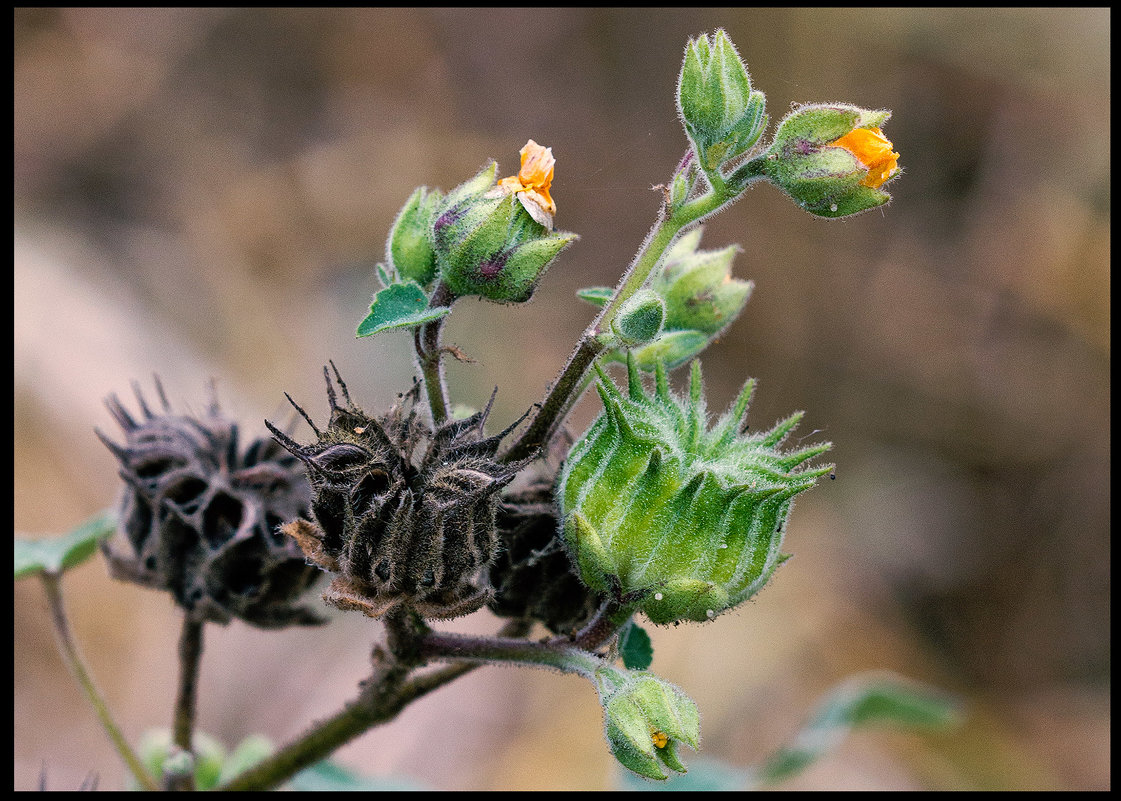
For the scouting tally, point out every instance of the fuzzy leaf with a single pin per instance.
(399, 306)
(635, 647)
(56, 554)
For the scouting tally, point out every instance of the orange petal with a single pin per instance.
(537, 166)
(873, 149)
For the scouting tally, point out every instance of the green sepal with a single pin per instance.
(58, 554)
(409, 247)
(403, 305)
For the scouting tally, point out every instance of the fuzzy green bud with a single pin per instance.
(488, 244)
(722, 115)
(409, 248)
(701, 301)
(640, 318)
(832, 159)
(686, 519)
(645, 719)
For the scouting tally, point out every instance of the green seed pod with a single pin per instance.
(645, 718)
(723, 116)
(687, 520)
(409, 248)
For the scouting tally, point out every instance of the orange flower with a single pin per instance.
(873, 150)
(533, 181)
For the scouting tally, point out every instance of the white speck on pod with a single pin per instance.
(658, 596)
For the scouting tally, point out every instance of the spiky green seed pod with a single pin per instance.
(687, 519)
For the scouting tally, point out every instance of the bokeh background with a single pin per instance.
(204, 193)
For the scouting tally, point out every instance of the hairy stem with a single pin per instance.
(560, 397)
(190, 656)
(426, 340)
(389, 690)
(69, 651)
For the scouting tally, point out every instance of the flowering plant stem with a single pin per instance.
(73, 660)
(190, 655)
(597, 335)
(428, 353)
(396, 682)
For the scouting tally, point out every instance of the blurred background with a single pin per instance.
(204, 193)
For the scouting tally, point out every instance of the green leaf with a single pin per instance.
(328, 776)
(635, 647)
(859, 701)
(596, 295)
(399, 306)
(249, 752)
(57, 554)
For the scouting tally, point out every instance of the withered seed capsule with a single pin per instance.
(402, 513)
(202, 520)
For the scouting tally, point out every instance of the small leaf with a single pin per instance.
(399, 306)
(249, 752)
(635, 647)
(596, 295)
(56, 554)
(859, 701)
(332, 777)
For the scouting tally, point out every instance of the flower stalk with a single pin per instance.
(73, 660)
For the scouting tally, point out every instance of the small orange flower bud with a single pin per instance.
(873, 149)
(533, 181)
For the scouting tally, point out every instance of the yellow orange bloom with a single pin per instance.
(533, 181)
(873, 149)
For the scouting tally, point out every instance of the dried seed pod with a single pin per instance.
(532, 575)
(202, 520)
(402, 513)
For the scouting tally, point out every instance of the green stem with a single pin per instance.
(567, 654)
(73, 660)
(389, 690)
(426, 339)
(190, 656)
(560, 398)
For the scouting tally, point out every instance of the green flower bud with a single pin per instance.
(689, 521)
(645, 719)
(488, 244)
(640, 318)
(722, 115)
(409, 249)
(701, 298)
(833, 159)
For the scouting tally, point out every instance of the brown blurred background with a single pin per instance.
(204, 193)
